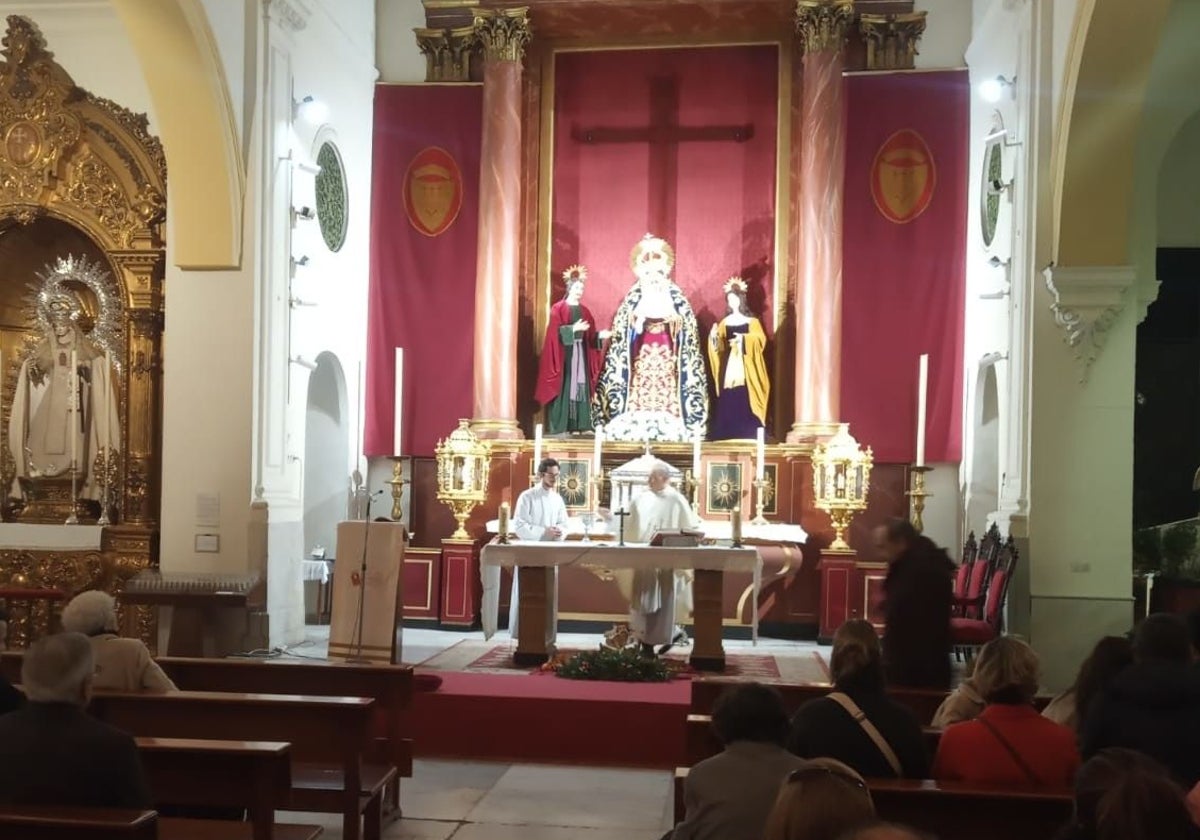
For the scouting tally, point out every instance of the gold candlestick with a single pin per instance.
(760, 502)
(397, 481)
(917, 495)
(693, 487)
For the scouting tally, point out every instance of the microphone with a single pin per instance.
(378, 492)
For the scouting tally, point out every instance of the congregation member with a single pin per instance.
(1110, 656)
(121, 664)
(729, 796)
(1009, 744)
(10, 698)
(540, 515)
(885, 831)
(918, 594)
(857, 723)
(822, 800)
(1154, 704)
(1123, 794)
(51, 751)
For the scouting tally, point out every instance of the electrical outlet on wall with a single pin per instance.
(1081, 568)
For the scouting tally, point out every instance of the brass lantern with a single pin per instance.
(463, 462)
(841, 477)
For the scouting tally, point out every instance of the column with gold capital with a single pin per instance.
(821, 27)
(502, 34)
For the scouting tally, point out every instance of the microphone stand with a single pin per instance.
(357, 659)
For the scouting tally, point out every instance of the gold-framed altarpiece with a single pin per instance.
(81, 173)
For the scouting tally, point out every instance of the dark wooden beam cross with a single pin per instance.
(664, 134)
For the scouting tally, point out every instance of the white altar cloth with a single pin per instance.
(31, 537)
(717, 529)
(607, 555)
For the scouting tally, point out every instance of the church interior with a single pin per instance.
(291, 285)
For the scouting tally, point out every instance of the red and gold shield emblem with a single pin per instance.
(903, 177)
(432, 191)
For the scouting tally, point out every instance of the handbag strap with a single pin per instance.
(1016, 757)
(874, 734)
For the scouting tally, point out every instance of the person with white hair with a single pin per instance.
(121, 664)
(655, 592)
(51, 751)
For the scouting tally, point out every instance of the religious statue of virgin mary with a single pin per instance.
(653, 385)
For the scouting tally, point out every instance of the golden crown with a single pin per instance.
(735, 284)
(575, 274)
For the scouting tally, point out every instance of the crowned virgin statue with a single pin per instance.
(652, 385)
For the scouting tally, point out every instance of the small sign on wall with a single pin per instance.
(208, 543)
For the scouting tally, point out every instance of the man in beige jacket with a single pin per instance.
(121, 664)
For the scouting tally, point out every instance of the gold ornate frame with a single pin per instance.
(66, 154)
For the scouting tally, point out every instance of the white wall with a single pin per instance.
(947, 33)
(1179, 190)
(396, 50)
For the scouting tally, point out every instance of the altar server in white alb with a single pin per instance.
(656, 593)
(540, 515)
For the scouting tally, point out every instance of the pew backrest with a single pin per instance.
(58, 823)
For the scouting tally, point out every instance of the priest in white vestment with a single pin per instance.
(540, 515)
(655, 593)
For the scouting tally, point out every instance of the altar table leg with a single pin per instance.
(708, 651)
(535, 602)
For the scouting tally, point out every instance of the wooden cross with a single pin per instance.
(621, 512)
(664, 134)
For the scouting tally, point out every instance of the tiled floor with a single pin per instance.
(476, 801)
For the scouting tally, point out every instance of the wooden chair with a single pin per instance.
(963, 575)
(968, 634)
(57, 823)
(970, 603)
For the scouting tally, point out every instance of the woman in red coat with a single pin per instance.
(1009, 744)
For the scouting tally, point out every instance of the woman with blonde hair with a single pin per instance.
(1009, 743)
(857, 722)
(121, 664)
(820, 801)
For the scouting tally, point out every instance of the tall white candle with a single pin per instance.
(108, 399)
(597, 448)
(922, 385)
(358, 421)
(760, 461)
(399, 402)
(73, 384)
(696, 456)
(537, 446)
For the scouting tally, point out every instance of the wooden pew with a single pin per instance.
(955, 810)
(328, 736)
(57, 823)
(252, 775)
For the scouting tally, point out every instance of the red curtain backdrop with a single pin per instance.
(656, 141)
(422, 292)
(903, 283)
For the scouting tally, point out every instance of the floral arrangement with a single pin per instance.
(647, 426)
(622, 665)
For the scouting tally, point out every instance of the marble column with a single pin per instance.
(502, 34)
(821, 26)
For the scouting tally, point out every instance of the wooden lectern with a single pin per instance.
(365, 625)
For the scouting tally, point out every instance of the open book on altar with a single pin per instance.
(677, 538)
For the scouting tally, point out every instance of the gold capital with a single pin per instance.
(822, 24)
(892, 39)
(503, 32)
(447, 53)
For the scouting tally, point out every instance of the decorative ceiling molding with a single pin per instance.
(1087, 300)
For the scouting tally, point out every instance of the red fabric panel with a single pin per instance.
(422, 290)
(995, 597)
(904, 284)
(970, 631)
(712, 199)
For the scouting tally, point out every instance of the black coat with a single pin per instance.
(56, 754)
(1153, 707)
(918, 595)
(10, 698)
(821, 727)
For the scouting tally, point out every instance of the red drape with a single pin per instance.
(655, 141)
(422, 291)
(904, 266)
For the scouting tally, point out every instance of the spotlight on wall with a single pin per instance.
(992, 90)
(996, 262)
(301, 260)
(303, 362)
(306, 213)
(312, 110)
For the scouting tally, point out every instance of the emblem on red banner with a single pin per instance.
(433, 190)
(903, 177)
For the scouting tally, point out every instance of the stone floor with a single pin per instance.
(478, 801)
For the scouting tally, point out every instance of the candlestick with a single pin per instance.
(692, 484)
(760, 501)
(397, 481)
(503, 540)
(398, 399)
(735, 527)
(73, 384)
(760, 463)
(358, 429)
(922, 386)
(107, 439)
(917, 496)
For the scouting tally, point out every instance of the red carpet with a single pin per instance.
(544, 718)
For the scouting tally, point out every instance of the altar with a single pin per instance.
(538, 560)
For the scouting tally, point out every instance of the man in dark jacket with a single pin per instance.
(51, 751)
(1153, 706)
(918, 595)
